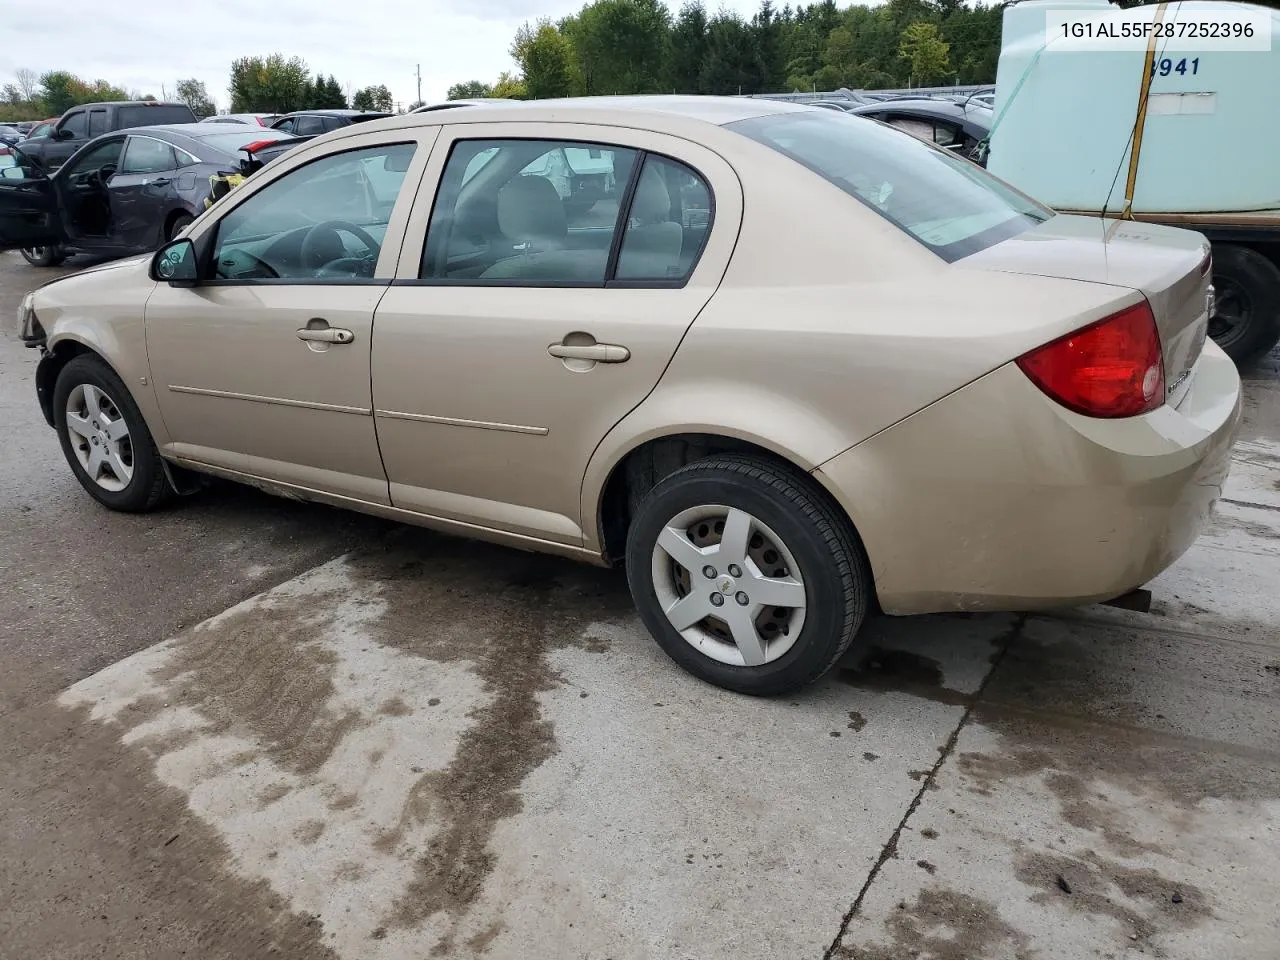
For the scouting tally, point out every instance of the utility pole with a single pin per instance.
(419, 70)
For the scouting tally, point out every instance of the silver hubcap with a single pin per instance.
(34, 253)
(729, 585)
(100, 437)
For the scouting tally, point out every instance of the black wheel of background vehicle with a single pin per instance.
(105, 439)
(746, 574)
(179, 223)
(1246, 323)
(43, 256)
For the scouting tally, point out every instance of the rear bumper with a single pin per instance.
(996, 498)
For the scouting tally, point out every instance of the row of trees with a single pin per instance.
(270, 84)
(637, 46)
(275, 84)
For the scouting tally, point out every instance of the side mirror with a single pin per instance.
(175, 264)
(63, 134)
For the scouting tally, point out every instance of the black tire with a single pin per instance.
(832, 565)
(1248, 288)
(43, 256)
(180, 223)
(147, 488)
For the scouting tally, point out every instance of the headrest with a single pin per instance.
(530, 210)
(652, 203)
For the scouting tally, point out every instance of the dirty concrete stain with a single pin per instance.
(857, 722)
(395, 707)
(944, 925)
(902, 670)
(481, 942)
(272, 794)
(503, 612)
(309, 832)
(1139, 899)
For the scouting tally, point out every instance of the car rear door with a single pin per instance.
(29, 215)
(520, 328)
(141, 191)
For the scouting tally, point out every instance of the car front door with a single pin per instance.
(262, 368)
(142, 191)
(524, 324)
(29, 214)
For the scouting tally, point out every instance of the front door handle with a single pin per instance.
(326, 334)
(158, 182)
(599, 352)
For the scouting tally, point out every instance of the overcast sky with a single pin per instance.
(361, 43)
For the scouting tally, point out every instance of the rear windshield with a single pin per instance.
(232, 140)
(362, 117)
(952, 206)
(150, 116)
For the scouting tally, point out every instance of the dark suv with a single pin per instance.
(81, 124)
(312, 123)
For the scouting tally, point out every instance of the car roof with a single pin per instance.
(336, 113)
(661, 111)
(126, 103)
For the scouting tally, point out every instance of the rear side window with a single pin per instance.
(145, 155)
(953, 207)
(310, 126)
(97, 122)
(127, 117)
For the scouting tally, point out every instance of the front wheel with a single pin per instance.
(180, 223)
(49, 256)
(746, 575)
(105, 439)
(1246, 321)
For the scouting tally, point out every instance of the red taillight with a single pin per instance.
(261, 122)
(1112, 368)
(257, 145)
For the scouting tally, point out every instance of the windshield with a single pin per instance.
(952, 206)
(232, 140)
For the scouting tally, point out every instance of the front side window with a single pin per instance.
(93, 160)
(145, 155)
(78, 124)
(323, 221)
(951, 206)
(286, 125)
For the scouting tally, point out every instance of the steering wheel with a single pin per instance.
(322, 242)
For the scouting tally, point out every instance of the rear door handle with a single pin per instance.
(599, 352)
(326, 335)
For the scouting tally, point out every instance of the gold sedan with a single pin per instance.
(786, 364)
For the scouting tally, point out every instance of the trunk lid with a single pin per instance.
(1170, 267)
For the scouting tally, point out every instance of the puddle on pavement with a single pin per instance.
(903, 671)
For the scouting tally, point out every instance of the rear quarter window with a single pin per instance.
(128, 117)
(952, 206)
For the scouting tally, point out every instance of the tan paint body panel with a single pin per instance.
(469, 363)
(102, 309)
(996, 498)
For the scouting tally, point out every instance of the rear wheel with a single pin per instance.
(43, 256)
(746, 575)
(1246, 321)
(105, 439)
(180, 223)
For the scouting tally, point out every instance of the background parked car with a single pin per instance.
(253, 119)
(121, 194)
(959, 127)
(312, 123)
(81, 124)
(10, 135)
(453, 104)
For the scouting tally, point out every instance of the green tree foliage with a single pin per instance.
(927, 52)
(509, 87)
(193, 93)
(326, 94)
(270, 84)
(470, 90)
(547, 61)
(60, 91)
(686, 50)
(636, 46)
(373, 98)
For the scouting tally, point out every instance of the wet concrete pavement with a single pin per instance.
(246, 727)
